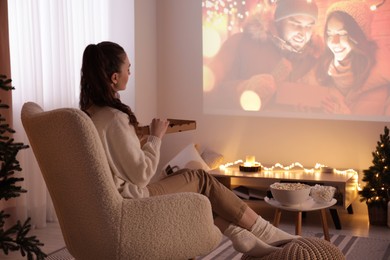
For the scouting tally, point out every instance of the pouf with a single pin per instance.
(304, 248)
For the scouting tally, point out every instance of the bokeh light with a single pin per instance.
(211, 42)
(208, 79)
(250, 101)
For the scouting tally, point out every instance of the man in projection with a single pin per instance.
(251, 65)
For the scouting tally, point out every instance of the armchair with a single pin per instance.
(96, 222)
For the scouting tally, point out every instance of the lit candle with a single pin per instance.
(250, 160)
(250, 164)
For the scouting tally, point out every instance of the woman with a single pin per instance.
(105, 71)
(352, 65)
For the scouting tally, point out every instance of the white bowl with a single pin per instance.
(322, 194)
(290, 194)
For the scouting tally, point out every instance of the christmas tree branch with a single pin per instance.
(16, 237)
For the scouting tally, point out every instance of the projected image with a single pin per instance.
(300, 58)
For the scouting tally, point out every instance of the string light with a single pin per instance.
(315, 170)
(375, 7)
(292, 166)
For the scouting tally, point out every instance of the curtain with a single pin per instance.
(47, 39)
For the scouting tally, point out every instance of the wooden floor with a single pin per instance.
(355, 224)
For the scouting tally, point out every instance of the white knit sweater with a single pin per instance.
(132, 166)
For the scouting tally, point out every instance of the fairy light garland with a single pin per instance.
(296, 165)
(292, 166)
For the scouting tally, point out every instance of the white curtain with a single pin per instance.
(47, 39)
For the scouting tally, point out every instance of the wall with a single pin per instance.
(145, 57)
(122, 30)
(340, 144)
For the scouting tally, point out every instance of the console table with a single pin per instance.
(345, 183)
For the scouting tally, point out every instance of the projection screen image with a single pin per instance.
(322, 59)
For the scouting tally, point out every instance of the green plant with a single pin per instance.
(377, 176)
(16, 237)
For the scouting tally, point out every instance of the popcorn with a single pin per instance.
(289, 186)
(322, 194)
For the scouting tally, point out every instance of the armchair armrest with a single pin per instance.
(185, 217)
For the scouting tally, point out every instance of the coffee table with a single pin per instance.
(309, 205)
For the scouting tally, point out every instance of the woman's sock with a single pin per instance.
(247, 243)
(270, 234)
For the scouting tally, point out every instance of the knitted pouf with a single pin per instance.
(304, 248)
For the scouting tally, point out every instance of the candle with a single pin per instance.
(250, 159)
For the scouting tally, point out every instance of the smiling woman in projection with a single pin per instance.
(353, 66)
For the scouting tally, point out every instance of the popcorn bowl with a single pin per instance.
(322, 194)
(290, 194)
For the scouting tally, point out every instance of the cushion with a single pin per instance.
(189, 158)
(211, 158)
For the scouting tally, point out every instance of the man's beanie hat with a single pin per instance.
(358, 10)
(287, 8)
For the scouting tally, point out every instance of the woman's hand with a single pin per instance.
(159, 127)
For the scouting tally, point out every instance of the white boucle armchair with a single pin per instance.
(96, 222)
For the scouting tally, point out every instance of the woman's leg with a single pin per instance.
(234, 217)
(225, 204)
(243, 240)
(269, 233)
(260, 227)
(223, 201)
(248, 219)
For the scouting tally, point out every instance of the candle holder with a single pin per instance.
(325, 169)
(255, 167)
(250, 164)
